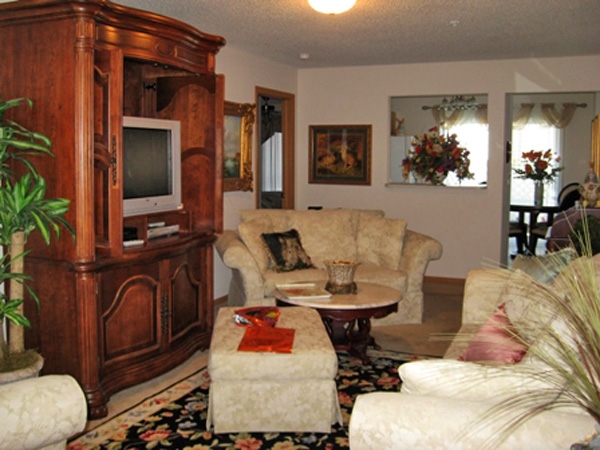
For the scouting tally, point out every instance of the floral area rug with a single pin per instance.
(176, 417)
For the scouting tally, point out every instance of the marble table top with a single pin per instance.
(369, 295)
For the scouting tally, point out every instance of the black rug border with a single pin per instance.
(205, 367)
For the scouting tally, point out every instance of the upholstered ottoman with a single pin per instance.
(262, 391)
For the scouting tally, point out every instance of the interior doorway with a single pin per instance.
(275, 139)
(560, 122)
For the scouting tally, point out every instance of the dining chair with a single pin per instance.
(567, 198)
(518, 230)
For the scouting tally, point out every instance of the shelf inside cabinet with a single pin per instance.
(149, 228)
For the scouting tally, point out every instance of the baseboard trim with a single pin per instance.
(221, 301)
(444, 280)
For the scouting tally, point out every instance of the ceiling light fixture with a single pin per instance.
(331, 6)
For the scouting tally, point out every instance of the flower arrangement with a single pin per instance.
(538, 166)
(433, 156)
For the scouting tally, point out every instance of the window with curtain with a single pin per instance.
(473, 136)
(471, 129)
(464, 115)
(534, 136)
(537, 127)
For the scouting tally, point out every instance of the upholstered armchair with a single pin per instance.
(41, 413)
(441, 400)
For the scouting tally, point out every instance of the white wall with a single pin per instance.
(243, 72)
(467, 221)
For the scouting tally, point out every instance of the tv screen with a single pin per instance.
(151, 165)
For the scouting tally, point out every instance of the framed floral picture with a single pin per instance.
(237, 158)
(340, 154)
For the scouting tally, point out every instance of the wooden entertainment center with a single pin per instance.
(113, 316)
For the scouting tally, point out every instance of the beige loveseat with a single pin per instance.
(389, 254)
(440, 400)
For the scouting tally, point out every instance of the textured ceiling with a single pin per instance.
(394, 31)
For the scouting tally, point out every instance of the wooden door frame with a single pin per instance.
(288, 120)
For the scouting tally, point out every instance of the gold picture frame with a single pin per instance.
(340, 154)
(237, 157)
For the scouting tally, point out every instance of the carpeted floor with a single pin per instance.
(175, 418)
(443, 302)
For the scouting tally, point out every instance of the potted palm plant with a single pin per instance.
(24, 208)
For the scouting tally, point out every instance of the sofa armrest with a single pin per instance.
(391, 421)
(41, 412)
(237, 257)
(417, 251)
(467, 380)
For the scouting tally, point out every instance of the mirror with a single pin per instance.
(237, 158)
(462, 132)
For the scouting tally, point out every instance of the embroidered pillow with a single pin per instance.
(495, 342)
(286, 251)
(526, 312)
(250, 233)
(380, 240)
(544, 268)
(326, 235)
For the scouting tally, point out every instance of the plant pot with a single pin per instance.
(31, 371)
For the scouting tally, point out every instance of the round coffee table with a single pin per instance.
(347, 317)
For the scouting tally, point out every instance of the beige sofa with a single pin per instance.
(41, 413)
(389, 254)
(441, 399)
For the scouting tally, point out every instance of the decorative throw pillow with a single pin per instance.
(544, 268)
(523, 304)
(496, 342)
(250, 232)
(286, 251)
(380, 240)
(326, 235)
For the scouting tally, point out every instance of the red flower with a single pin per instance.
(155, 435)
(248, 443)
(538, 166)
(433, 156)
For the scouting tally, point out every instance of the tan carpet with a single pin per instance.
(442, 315)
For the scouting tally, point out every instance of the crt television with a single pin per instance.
(151, 165)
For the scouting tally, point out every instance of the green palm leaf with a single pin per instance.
(23, 206)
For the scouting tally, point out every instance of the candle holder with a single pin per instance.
(341, 277)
